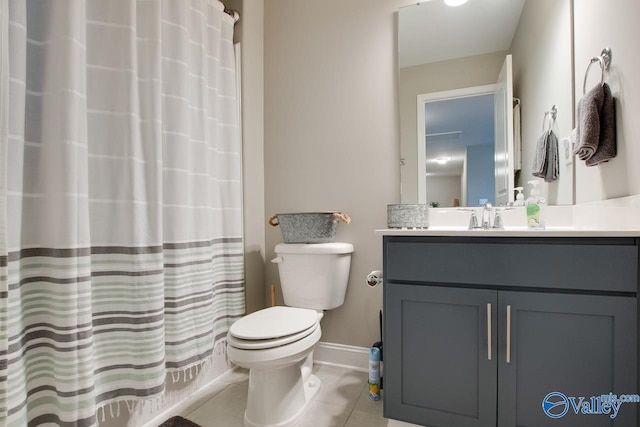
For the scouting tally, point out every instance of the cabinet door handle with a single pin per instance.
(488, 331)
(508, 334)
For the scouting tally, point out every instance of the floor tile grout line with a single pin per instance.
(223, 382)
(353, 408)
(213, 396)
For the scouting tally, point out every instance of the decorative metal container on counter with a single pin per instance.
(408, 216)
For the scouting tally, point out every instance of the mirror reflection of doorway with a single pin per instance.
(460, 150)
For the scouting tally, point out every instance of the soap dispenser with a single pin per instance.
(535, 207)
(519, 197)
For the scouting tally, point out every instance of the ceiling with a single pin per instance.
(432, 31)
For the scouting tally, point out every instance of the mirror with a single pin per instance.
(451, 85)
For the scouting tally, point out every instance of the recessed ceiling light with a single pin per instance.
(442, 160)
(454, 3)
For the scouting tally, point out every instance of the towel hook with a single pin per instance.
(551, 114)
(605, 62)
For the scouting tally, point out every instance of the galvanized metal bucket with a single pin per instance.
(308, 227)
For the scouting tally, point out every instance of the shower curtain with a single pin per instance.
(121, 253)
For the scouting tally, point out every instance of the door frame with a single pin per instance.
(424, 98)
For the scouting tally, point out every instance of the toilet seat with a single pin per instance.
(273, 327)
(269, 343)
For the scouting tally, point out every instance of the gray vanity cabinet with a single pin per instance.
(466, 346)
(579, 345)
(437, 368)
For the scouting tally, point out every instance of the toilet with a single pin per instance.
(276, 344)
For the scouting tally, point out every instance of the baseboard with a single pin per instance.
(345, 356)
(396, 423)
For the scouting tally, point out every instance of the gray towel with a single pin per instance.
(596, 126)
(553, 162)
(607, 147)
(546, 162)
(540, 156)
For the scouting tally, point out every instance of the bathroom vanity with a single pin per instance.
(480, 327)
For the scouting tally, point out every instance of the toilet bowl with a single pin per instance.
(276, 344)
(281, 384)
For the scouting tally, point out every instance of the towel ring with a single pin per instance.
(551, 114)
(605, 61)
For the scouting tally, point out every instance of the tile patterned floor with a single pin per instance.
(343, 401)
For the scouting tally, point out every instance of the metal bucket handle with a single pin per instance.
(339, 216)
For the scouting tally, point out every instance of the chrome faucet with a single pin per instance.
(473, 222)
(485, 224)
(497, 220)
(486, 216)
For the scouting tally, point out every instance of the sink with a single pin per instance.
(513, 219)
(421, 216)
(506, 228)
(547, 228)
(449, 228)
(561, 221)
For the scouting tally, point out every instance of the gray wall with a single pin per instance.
(598, 24)
(543, 77)
(249, 32)
(331, 134)
(443, 189)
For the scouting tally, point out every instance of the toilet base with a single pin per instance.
(280, 397)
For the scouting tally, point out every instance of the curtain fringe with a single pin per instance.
(193, 373)
(220, 347)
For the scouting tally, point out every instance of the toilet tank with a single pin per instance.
(314, 275)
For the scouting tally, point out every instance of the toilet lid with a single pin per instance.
(274, 322)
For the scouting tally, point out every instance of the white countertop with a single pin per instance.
(611, 218)
(511, 232)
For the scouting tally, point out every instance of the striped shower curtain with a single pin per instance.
(121, 255)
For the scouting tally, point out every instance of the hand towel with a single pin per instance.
(588, 122)
(540, 158)
(607, 147)
(595, 126)
(553, 158)
(546, 162)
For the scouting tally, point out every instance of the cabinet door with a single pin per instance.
(577, 345)
(439, 368)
